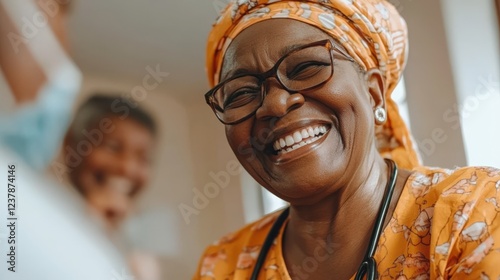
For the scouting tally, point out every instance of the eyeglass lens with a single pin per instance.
(299, 70)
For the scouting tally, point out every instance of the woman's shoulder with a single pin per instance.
(235, 249)
(471, 191)
(462, 181)
(450, 190)
(251, 233)
(457, 209)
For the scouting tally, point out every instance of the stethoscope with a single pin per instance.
(368, 266)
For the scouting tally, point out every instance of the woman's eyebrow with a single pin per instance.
(234, 73)
(290, 48)
(240, 71)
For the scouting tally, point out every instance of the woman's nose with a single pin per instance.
(278, 101)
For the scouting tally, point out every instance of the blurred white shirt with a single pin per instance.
(54, 238)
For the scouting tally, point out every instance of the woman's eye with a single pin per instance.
(241, 97)
(306, 70)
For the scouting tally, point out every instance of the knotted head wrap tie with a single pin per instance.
(372, 32)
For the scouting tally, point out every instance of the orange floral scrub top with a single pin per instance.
(446, 225)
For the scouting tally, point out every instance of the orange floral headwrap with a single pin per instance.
(372, 32)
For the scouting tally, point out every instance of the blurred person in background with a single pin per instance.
(42, 78)
(53, 238)
(108, 153)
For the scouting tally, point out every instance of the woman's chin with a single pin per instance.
(297, 182)
(303, 191)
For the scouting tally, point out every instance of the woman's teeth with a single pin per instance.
(299, 138)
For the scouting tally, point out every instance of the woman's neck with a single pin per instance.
(336, 230)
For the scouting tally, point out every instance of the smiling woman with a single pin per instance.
(304, 91)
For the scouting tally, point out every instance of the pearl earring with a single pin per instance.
(380, 116)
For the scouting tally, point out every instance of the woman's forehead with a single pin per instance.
(271, 39)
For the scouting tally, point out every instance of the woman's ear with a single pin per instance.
(376, 88)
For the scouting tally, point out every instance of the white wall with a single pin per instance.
(452, 80)
(472, 31)
(430, 85)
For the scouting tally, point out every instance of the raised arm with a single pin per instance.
(33, 44)
(21, 71)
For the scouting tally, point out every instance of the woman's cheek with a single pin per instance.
(239, 138)
(245, 152)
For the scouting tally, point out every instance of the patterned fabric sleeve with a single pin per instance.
(479, 241)
(234, 255)
(473, 249)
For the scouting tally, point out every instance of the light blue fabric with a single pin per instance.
(35, 131)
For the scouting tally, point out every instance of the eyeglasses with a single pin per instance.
(305, 68)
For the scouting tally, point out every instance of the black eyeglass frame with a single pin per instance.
(273, 73)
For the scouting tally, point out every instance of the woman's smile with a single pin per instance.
(299, 138)
(295, 140)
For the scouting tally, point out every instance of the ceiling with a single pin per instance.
(118, 39)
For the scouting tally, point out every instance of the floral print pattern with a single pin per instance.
(445, 226)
